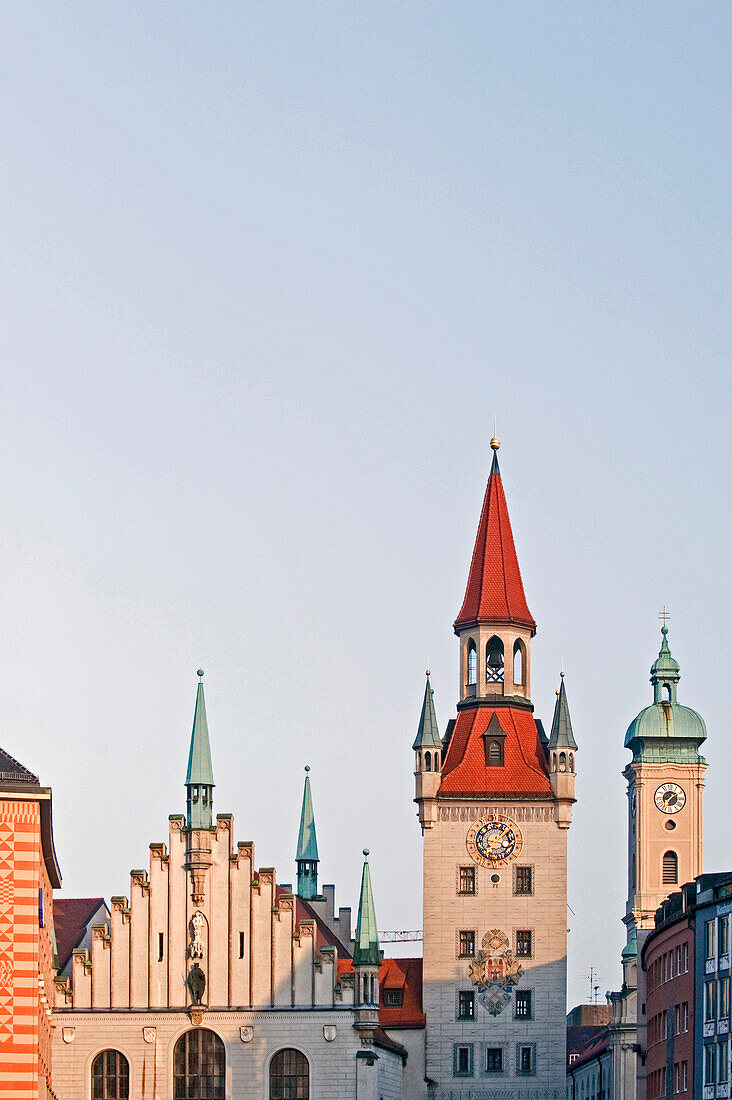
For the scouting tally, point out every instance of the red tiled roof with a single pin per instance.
(524, 771)
(495, 591)
(404, 974)
(584, 1045)
(70, 919)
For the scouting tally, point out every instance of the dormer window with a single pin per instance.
(495, 754)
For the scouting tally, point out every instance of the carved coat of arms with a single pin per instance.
(495, 972)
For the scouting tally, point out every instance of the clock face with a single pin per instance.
(670, 798)
(494, 841)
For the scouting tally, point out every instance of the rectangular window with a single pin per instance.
(709, 1074)
(467, 945)
(710, 1001)
(524, 881)
(463, 1060)
(723, 998)
(523, 944)
(724, 935)
(723, 1062)
(711, 937)
(161, 946)
(494, 1060)
(686, 958)
(523, 1004)
(393, 998)
(677, 1077)
(664, 1024)
(685, 1016)
(670, 964)
(685, 1075)
(466, 1006)
(678, 959)
(677, 1019)
(526, 1060)
(467, 880)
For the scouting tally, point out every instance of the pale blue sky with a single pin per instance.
(268, 271)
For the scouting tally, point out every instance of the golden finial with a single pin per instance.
(495, 442)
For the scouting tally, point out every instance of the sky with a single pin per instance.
(267, 273)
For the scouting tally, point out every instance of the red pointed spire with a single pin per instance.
(495, 591)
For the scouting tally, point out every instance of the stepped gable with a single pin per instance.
(464, 771)
(495, 591)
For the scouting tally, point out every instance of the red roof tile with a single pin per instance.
(404, 974)
(495, 591)
(70, 919)
(524, 771)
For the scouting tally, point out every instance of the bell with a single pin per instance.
(495, 660)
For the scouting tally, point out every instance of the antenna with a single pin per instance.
(594, 986)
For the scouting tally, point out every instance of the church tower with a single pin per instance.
(665, 783)
(495, 804)
(307, 846)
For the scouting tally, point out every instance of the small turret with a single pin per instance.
(199, 778)
(561, 750)
(307, 846)
(366, 952)
(427, 760)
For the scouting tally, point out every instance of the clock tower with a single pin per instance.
(495, 800)
(665, 783)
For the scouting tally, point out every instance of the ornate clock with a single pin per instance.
(670, 798)
(494, 841)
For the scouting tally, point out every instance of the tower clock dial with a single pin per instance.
(670, 798)
(494, 841)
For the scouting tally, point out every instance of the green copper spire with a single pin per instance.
(366, 951)
(665, 673)
(666, 732)
(561, 736)
(199, 777)
(307, 846)
(428, 735)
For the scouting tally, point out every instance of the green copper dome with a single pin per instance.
(666, 731)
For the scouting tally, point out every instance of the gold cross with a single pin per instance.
(665, 615)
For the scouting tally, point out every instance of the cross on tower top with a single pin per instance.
(665, 615)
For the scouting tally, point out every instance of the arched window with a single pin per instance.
(519, 663)
(494, 660)
(562, 761)
(289, 1076)
(495, 754)
(199, 1066)
(472, 663)
(427, 762)
(666, 693)
(670, 868)
(419, 761)
(110, 1076)
(571, 761)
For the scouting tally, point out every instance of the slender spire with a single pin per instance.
(307, 845)
(665, 670)
(428, 734)
(495, 591)
(562, 736)
(366, 951)
(199, 777)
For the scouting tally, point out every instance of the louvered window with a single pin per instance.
(670, 868)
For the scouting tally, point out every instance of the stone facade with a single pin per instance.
(270, 981)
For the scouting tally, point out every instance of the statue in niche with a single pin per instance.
(196, 984)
